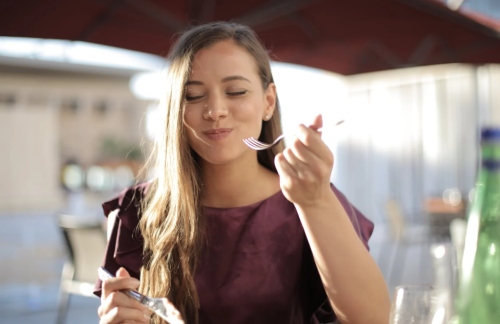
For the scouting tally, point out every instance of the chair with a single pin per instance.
(85, 242)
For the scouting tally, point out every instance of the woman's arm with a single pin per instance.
(352, 280)
(355, 287)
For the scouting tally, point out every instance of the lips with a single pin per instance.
(218, 134)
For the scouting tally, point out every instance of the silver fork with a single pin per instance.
(160, 306)
(258, 145)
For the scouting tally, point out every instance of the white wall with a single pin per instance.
(37, 135)
(29, 157)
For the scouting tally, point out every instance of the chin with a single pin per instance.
(219, 156)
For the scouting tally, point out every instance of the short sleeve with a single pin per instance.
(319, 306)
(125, 244)
(363, 226)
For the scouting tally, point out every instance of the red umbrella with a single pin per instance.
(347, 37)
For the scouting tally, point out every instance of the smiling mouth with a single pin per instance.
(218, 131)
(217, 134)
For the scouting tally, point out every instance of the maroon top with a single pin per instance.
(256, 268)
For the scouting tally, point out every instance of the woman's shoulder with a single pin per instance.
(125, 243)
(363, 226)
(128, 204)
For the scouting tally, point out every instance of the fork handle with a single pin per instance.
(105, 275)
(135, 295)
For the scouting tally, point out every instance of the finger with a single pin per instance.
(296, 164)
(116, 284)
(122, 273)
(105, 320)
(303, 153)
(312, 140)
(122, 281)
(284, 169)
(119, 299)
(125, 315)
(102, 321)
(317, 123)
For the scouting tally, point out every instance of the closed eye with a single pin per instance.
(193, 98)
(234, 94)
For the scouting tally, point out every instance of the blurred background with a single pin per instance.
(414, 81)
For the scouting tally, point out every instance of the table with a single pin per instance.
(440, 214)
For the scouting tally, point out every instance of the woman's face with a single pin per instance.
(225, 102)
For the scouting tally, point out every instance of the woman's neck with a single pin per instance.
(239, 183)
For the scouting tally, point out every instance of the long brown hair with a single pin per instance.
(172, 219)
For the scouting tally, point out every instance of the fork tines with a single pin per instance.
(255, 144)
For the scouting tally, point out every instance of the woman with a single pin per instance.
(232, 235)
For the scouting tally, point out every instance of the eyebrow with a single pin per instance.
(226, 79)
(235, 77)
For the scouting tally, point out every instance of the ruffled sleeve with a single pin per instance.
(125, 244)
(319, 306)
(363, 226)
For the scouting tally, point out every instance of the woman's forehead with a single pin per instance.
(223, 59)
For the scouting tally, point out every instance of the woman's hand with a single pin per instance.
(305, 167)
(116, 307)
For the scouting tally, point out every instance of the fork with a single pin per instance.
(258, 145)
(160, 306)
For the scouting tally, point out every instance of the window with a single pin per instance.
(70, 105)
(7, 99)
(101, 107)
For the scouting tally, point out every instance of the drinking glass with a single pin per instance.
(444, 261)
(413, 304)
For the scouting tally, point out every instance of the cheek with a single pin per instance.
(192, 123)
(195, 142)
(193, 119)
(248, 110)
(249, 117)
(190, 117)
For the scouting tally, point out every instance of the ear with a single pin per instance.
(269, 101)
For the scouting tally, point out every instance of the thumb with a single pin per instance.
(317, 122)
(122, 273)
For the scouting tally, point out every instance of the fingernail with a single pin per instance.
(146, 316)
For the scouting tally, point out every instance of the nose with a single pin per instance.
(215, 108)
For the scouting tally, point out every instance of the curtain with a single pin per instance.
(412, 133)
